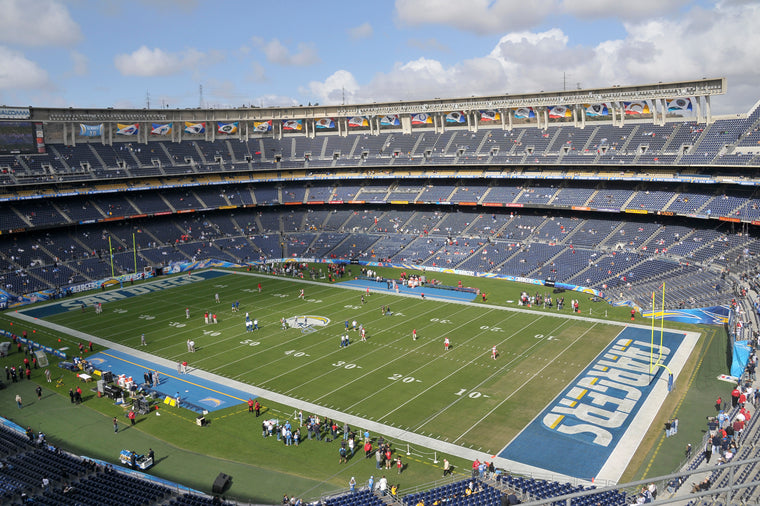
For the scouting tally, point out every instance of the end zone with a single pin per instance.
(593, 427)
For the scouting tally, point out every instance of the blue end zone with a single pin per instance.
(195, 391)
(72, 303)
(430, 292)
(577, 432)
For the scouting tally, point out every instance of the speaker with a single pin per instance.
(221, 483)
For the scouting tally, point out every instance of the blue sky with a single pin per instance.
(114, 53)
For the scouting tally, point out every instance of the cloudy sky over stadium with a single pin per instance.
(115, 53)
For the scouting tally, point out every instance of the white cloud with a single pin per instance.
(38, 23)
(429, 44)
(19, 73)
(479, 16)
(147, 62)
(693, 45)
(276, 52)
(333, 90)
(640, 9)
(274, 101)
(363, 31)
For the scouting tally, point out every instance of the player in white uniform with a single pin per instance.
(446, 344)
(300, 295)
(414, 334)
(187, 313)
(494, 352)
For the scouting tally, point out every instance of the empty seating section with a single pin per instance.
(453, 224)
(530, 257)
(536, 194)
(471, 193)
(689, 203)
(266, 195)
(682, 142)
(544, 489)
(650, 200)
(456, 494)
(360, 221)
(420, 249)
(152, 154)
(610, 198)
(292, 221)
(294, 194)
(325, 242)
(181, 153)
(320, 193)
(390, 221)
(373, 192)
(630, 235)
(39, 213)
(214, 151)
(438, 192)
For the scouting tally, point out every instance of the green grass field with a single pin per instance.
(462, 396)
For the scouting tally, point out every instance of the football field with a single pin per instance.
(524, 398)
(462, 395)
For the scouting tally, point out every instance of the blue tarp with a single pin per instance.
(741, 357)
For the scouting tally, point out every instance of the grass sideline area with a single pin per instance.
(263, 470)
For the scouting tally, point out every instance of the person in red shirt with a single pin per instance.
(257, 408)
(735, 394)
(250, 405)
(367, 449)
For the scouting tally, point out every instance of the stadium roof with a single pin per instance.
(651, 92)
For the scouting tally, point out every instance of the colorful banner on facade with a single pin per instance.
(195, 128)
(227, 128)
(292, 124)
(636, 108)
(324, 123)
(90, 130)
(456, 117)
(357, 121)
(524, 112)
(422, 119)
(129, 129)
(262, 126)
(390, 120)
(679, 104)
(560, 111)
(490, 115)
(161, 129)
(596, 110)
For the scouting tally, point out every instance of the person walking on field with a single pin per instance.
(494, 353)
(446, 344)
